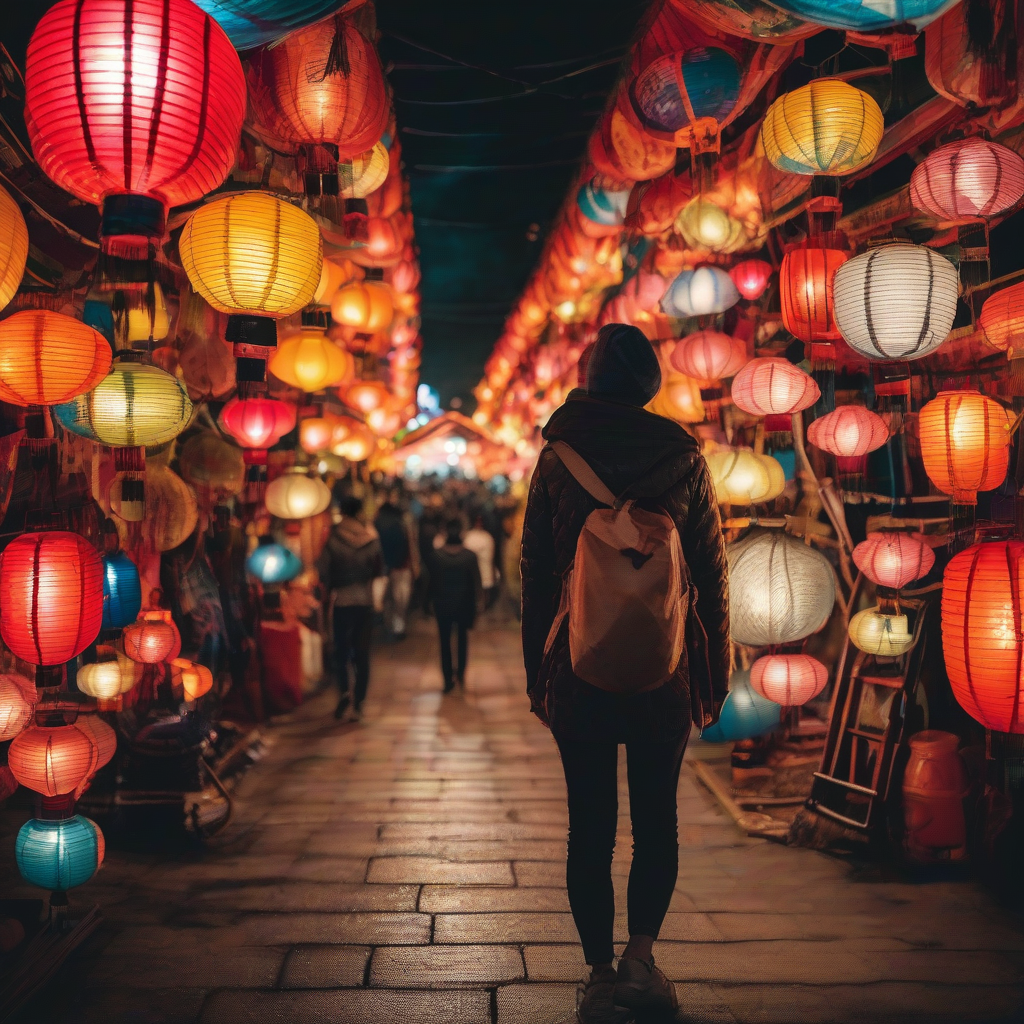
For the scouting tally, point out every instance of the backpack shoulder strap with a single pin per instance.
(583, 474)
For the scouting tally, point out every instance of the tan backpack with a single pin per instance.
(627, 593)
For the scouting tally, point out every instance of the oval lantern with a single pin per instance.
(865, 15)
(18, 697)
(295, 495)
(709, 356)
(788, 679)
(13, 247)
(768, 386)
(364, 173)
(742, 477)
(700, 292)
(149, 642)
(103, 736)
(258, 423)
(751, 277)
(824, 127)
(196, 680)
(603, 210)
(47, 358)
(967, 179)
(805, 292)
(172, 512)
(703, 224)
(111, 676)
(310, 361)
(273, 563)
(983, 632)
(316, 434)
(883, 635)
(849, 431)
(59, 855)
(51, 596)
(891, 559)
(122, 591)
(1002, 318)
(965, 443)
(52, 759)
(366, 395)
(745, 713)
(782, 590)
(365, 306)
(133, 105)
(896, 302)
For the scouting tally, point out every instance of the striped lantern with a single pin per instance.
(252, 23)
(18, 697)
(603, 210)
(867, 15)
(896, 302)
(788, 679)
(122, 590)
(769, 386)
(967, 179)
(149, 642)
(13, 247)
(1002, 318)
(805, 291)
(700, 292)
(52, 759)
(849, 432)
(891, 559)
(879, 633)
(61, 854)
(708, 356)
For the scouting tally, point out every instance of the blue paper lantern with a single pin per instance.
(700, 292)
(745, 713)
(602, 205)
(273, 563)
(867, 15)
(58, 855)
(250, 23)
(679, 88)
(122, 591)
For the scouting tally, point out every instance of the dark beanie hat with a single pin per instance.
(623, 366)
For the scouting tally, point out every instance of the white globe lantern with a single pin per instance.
(295, 495)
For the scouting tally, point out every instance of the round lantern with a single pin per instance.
(111, 676)
(366, 395)
(892, 559)
(310, 361)
(700, 292)
(788, 679)
(896, 302)
(848, 432)
(773, 387)
(875, 632)
(295, 495)
(13, 247)
(257, 423)
(171, 509)
(364, 173)
(196, 680)
(745, 713)
(59, 855)
(135, 405)
(602, 210)
(51, 596)
(213, 466)
(967, 179)
(679, 399)
(965, 443)
(782, 590)
(164, 615)
(102, 735)
(983, 632)
(52, 759)
(133, 104)
(316, 434)
(47, 358)
(273, 563)
(356, 446)
(122, 590)
(252, 253)
(824, 127)
(865, 15)
(365, 306)
(149, 642)
(751, 277)
(703, 224)
(709, 356)
(805, 291)
(742, 477)
(1002, 318)
(679, 88)
(18, 697)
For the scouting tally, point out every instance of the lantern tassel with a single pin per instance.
(823, 370)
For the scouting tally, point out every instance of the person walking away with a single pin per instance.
(649, 476)
(481, 543)
(353, 561)
(397, 552)
(455, 589)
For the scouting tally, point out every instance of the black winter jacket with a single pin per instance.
(650, 458)
(454, 583)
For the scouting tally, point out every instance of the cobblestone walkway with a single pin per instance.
(410, 870)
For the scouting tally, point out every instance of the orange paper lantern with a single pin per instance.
(1002, 318)
(366, 395)
(365, 306)
(805, 290)
(709, 356)
(52, 759)
(196, 679)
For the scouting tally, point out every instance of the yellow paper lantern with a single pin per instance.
(365, 173)
(705, 225)
(742, 477)
(142, 326)
(13, 247)
(171, 510)
(196, 680)
(310, 361)
(111, 676)
(885, 636)
(252, 253)
(294, 495)
(332, 277)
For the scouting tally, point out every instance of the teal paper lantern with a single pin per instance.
(58, 855)
(601, 205)
(745, 713)
(273, 563)
(700, 292)
(250, 23)
(122, 591)
(867, 15)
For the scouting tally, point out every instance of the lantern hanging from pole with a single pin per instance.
(983, 632)
(52, 758)
(709, 356)
(896, 302)
(1002, 319)
(782, 590)
(273, 563)
(310, 361)
(774, 387)
(13, 247)
(700, 292)
(751, 277)
(891, 559)
(18, 697)
(59, 854)
(295, 495)
(805, 291)
(824, 127)
(967, 179)
(883, 635)
(135, 106)
(122, 591)
(788, 679)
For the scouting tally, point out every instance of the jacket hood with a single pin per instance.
(354, 533)
(623, 444)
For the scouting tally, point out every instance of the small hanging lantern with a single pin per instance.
(774, 388)
(122, 591)
(59, 854)
(295, 495)
(709, 356)
(13, 247)
(316, 434)
(18, 698)
(273, 563)
(883, 635)
(366, 395)
(865, 15)
(745, 713)
(109, 678)
(891, 559)
(704, 225)
(788, 679)
(310, 361)
(196, 680)
(805, 290)
(52, 758)
(149, 642)
(700, 292)
(751, 277)
(743, 477)
(601, 211)
(849, 433)
(967, 179)
(1002, 319)
(364, 306)
(257, 424)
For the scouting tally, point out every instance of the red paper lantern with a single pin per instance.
(52, 759)
(709, 356)
(257, 422)
(788, 679)
(1002, 318)
(366, 395)
(773, 387)
(135, 105)
(149, 643)
(849, 432)
(51, 596)
(805, 290)
(983, 632)
(751, 277)
(891, 559)
(967, 179)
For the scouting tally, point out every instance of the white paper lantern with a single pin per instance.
(896, 302)
(885, 636)
(297, 496)
(700, 292)
(780, 589)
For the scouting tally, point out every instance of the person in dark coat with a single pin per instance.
(455, 590)
(350, 562)
(655, 461)
(397, 550)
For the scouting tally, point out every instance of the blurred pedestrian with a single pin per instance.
(397, 551)
(455, 589)
(481, 542)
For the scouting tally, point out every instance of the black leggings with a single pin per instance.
(591, 777)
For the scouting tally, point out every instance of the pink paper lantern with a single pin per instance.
(849, 432)
(891, 559)
(770, 386)
(751, 277)
(788, 679)
(966, 179)
(708, 356)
